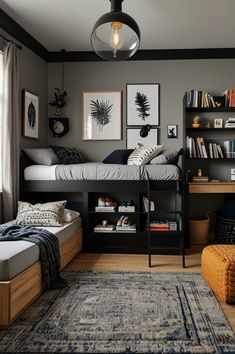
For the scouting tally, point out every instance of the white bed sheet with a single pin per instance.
(40, 173)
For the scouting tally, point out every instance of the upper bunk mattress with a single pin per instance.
(99, 171)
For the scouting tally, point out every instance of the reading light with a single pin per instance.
(116, 35)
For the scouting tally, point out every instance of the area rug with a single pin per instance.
(119, 312)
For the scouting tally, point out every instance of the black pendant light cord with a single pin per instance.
(116, 5)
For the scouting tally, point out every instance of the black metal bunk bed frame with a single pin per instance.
(144, 240)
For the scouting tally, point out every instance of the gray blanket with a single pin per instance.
(49, 250)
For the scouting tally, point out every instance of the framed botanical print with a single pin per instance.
(102, 115)
(133, 138)
(30, 115)
(143, 104)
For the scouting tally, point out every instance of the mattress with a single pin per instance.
(16, 256)
(99, 171)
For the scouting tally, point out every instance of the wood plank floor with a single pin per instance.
(139, 263)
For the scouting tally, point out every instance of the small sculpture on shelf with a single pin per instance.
(208, 124)
(196, 122)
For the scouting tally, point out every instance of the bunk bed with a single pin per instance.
(92, 180)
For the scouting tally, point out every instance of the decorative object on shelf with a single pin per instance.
(104, 223)
(59, 101)
(30, 115)
(219, 101)
(102, 115)
(208, 124)
(172, 131)
(133, 138)
(232, 174)
(196, 123)
(143, 104)
(59, 126)
(115, 35)
(145, 130)
(218, 123)
(59, 94)
(199, 172)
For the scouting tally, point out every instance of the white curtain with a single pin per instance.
(10, 131)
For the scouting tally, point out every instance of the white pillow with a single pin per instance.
(47, 214)
(70, 215)
(144, 154)
(45, 157)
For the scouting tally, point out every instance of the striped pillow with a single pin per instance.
(144, 154)
(47, 214)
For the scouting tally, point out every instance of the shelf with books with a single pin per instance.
(210, 109)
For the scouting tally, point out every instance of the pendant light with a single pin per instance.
(116, 35)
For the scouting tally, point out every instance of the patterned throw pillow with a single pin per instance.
(67, 156)
(144, 154)
(47, 214)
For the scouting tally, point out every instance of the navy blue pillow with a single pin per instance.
(67, 156)
(119, 157)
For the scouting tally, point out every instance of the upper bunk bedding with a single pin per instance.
(100, 171)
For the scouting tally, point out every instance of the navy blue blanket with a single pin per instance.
(49, 250)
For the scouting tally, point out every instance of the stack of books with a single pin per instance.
(160, 225)
(229, 97)
(201, 179)
(229, 148)
(126, 209)
(215, 151)
(110, 208)
(200, 99)
(196, 148)
(146, 204)
(101, 228)
(126, 228)
(230, 123)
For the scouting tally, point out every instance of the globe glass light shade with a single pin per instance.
(115, 36)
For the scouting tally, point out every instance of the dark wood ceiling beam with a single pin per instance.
(20, 34)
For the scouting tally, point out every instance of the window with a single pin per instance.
(1, 113)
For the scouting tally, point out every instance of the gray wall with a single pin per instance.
(33, 77)
(174, 77)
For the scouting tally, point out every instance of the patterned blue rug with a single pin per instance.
(118, 312)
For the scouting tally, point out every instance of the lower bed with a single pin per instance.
(20, 269)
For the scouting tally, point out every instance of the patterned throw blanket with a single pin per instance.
(49, 250)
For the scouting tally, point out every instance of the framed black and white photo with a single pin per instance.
(102, 115)
(172, 131)
(30, 115)
(133, 138)
(143, 104)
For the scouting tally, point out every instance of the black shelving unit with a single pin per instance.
(210, 166)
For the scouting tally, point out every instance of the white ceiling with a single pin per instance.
(164, 24)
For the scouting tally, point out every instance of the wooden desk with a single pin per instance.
(212, 187)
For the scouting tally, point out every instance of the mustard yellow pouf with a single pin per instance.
(218, 270)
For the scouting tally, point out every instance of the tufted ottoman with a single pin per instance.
(218, 269)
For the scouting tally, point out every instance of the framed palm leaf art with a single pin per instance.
(102, 115)
(143, 104)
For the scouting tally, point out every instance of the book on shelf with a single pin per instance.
(200, 179)
(127, 209)
(163, 225)
(229, 148)
(110, 208)
(197, 98)
(101, 228)
(127, 228)
(230, 123)
(229, 97)
(196, 148)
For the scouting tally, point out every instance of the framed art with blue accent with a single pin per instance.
(30, 115)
